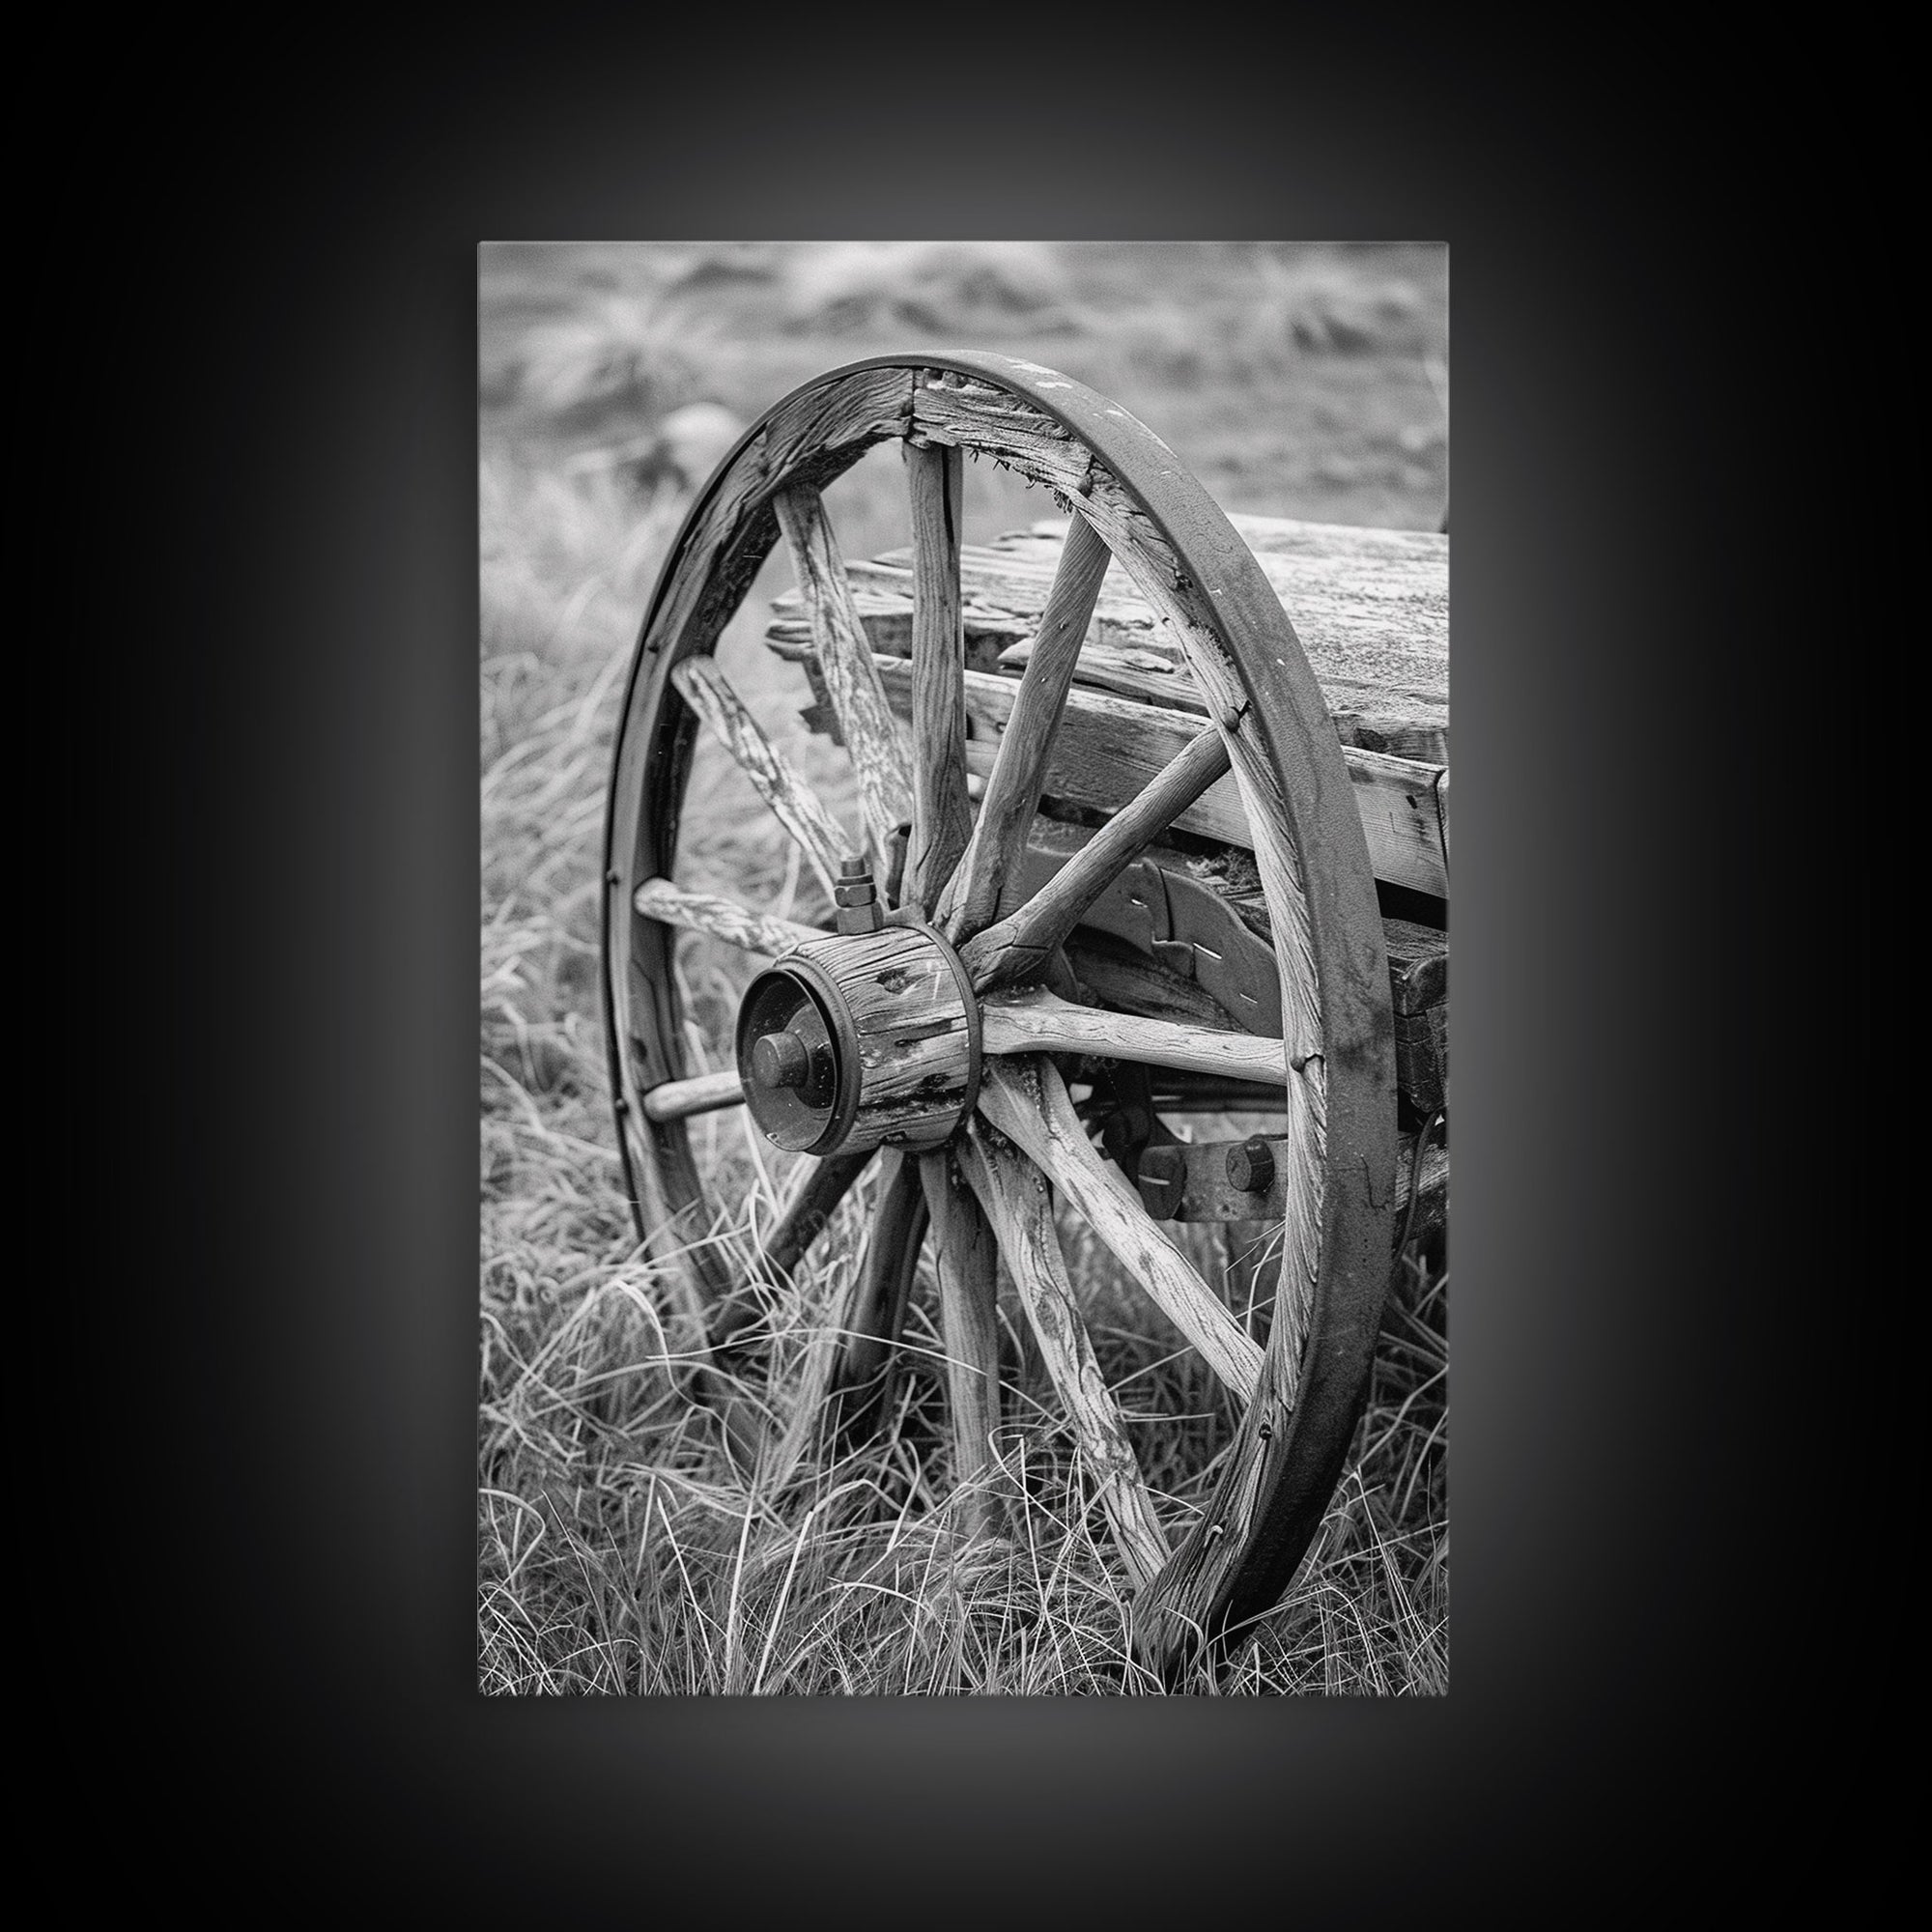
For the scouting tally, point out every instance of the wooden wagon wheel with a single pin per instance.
(940, 1031)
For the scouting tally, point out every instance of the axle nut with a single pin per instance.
(781, 1059)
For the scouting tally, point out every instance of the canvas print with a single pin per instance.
(965, 862)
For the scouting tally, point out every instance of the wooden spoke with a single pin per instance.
(815, 1190)
(847, 1339)
(968, 1265)
(865, 1371)
(846, 661)
(680, 1099)
(1012, 791)
(797, 807)
(821, 1362)
(1028, 1101)
(721, 917)
(1014, 1197)
(942, 815)
(1034, 1021)
(1020, 944)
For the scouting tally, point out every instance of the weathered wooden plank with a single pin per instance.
(721, 917)
(1368, 606)
(1028, 1101)
(824, 842)
(847, 662)
(1371, 609)
(942, 818)
(1014, 1194)
(1028, 732)
(1363, 716)
(1107, 749)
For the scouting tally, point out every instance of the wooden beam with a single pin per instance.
(1107, 750)
(1370, 607)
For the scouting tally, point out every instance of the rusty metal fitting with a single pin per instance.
(857, 898)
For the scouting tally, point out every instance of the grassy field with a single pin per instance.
(620, 1551)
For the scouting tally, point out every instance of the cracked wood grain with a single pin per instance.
(721, 917)
(823, 840)
(1014, 1194)
(942, 815)
(851, 677)
(966, 1256)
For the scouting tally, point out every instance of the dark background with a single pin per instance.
(271, 1168)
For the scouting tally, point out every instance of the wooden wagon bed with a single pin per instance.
(1181, 933)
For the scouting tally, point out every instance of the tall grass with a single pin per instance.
(621, 1549)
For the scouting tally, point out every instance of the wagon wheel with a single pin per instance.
(933, 1035)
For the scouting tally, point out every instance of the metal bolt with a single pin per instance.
(1251, 1165)
(857, 898)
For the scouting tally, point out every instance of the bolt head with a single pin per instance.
(781, 1059)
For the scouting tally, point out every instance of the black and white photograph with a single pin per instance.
(964, 832)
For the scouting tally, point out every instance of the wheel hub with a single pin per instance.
(861, 1040)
